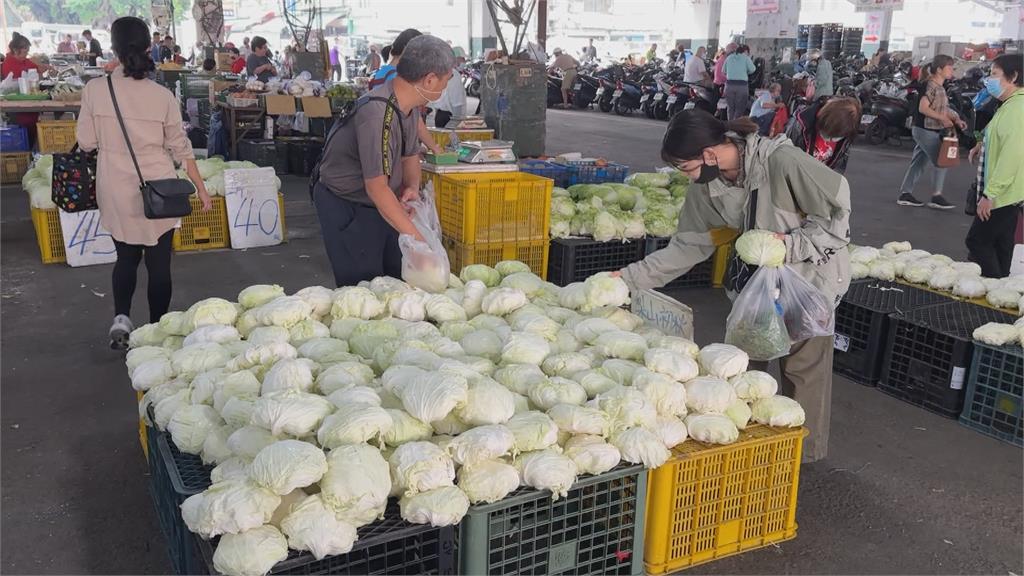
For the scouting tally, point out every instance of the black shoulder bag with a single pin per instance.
(738, 272)
(314, 175)
(164, 198)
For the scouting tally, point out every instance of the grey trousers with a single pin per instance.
(806, 376)
(926, 153)
(737, 98)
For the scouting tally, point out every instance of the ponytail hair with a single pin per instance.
(939, 62)
(130, 40)
(691, 131)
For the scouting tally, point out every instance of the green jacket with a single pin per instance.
(1004, 153)
(797, 196)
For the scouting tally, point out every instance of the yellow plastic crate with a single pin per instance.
(724, 238)
(56, 135)
(494, 207)
(711, 501)
(48, 235)
(13, 166)
(142, 429)
(203, 230)
(284, 226)
(532, 253)
(442, 136)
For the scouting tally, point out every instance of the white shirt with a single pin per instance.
(695, 70)
(453, 99)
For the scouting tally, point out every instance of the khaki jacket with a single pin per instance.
(797, 196)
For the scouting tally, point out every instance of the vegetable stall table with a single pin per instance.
(241, 121)
(54, 106)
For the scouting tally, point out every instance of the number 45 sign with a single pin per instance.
(254, 216)
(86, 242)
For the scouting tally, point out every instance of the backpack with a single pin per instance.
(375, 81)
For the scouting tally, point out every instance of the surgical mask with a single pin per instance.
(708, 172)
(994, 86)
(425, 97)
(831, 138)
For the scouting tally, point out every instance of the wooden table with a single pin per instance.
(240, 122)
(57, 107)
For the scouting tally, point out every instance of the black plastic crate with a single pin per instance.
(576, 259)
(597, 529)
(929, 354)
(557, 172)
(387, 546)
(862, 325)
(320, 127)
(167, 499)
(265, 153)
(995, 393)
(700, 276)
(302, 155)
(188, 473)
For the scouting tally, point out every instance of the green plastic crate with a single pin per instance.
(597, 529)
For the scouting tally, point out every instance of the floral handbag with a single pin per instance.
(74, 180)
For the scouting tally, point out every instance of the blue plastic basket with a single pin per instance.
(13, 139)
(590, 173)
(557, 172)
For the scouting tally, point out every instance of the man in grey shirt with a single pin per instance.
(371, 166)
(258, 62)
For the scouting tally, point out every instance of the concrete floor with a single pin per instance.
(903, 491)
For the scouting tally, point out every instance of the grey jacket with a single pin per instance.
(797, 196)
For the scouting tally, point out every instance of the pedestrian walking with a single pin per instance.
(738, 68)
(744, 181)
(152, 119)
(990, 241)
(932, 119)
(337, 59)
(719, 76)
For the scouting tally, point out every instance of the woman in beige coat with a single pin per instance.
(153, 121)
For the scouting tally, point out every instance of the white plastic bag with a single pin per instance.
(425, 263)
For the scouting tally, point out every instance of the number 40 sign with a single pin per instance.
(254, 216)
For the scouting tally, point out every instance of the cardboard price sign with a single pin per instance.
(667, 314)
(254, 215)
(86, 242)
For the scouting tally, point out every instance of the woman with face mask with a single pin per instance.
(826, 130)
(745, 181)
(991, 240)
(932, 120)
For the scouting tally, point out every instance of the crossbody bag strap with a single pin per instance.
(120, 121)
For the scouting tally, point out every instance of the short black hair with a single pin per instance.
(1010, 64)
(177, 49)
(385, 52)
(86, 32)
(398, 46)
(234, 50)
(257, 42)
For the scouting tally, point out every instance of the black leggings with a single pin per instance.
(990, 243)
(158, 264)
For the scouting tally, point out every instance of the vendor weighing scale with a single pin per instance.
(487, 151)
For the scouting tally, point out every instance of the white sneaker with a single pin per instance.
(119, 332)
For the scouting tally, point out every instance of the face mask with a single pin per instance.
(994, 86)
(708, 172)
(831, 138)
(427, 98)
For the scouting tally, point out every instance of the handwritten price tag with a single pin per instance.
(254, 215)
(85, 241)
(667, 314)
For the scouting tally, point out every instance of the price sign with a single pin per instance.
(254, 216)
(667, 314)
(85, 241)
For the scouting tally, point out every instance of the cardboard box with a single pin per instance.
(224, 61)
(316, 106)
(280, 105)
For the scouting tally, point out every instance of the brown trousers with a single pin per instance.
(807, 378)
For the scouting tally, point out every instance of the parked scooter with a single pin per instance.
(626, 98)
(584, 91)
(554, 97)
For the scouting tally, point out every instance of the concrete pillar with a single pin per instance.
(698, 23)
(1013, 24)
(771, 26)
(482, 34)
(877, 28)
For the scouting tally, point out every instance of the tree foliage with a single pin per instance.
(92, 12)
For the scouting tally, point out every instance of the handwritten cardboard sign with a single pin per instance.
(667, 314)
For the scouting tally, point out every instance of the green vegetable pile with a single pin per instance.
(647, 204)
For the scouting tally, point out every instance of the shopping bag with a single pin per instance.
(949, 152)
(424, 263)
(756, 324)
(807, 311)
(73, 185)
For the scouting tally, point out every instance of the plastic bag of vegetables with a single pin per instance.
(756, 324)
(425, 262)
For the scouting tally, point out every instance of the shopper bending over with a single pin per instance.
(567, 65)
(152, 117)
(371, 166)
(826, 130)
(990, 240)
(764, 108)
(744, 181)
(933, 119)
